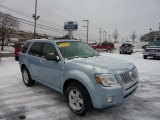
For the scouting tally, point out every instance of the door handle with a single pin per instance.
(42, 61)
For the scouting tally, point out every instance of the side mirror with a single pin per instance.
(52, 57)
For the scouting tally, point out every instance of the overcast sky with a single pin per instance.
(124, 15)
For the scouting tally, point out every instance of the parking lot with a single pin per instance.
(42, 103)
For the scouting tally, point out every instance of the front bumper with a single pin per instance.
(154, 54)
(119, 94)
(126, 51)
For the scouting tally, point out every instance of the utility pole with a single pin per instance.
(150, 33)
(104, 35)
(35, 17)
(109, 37)
(159, 27)
(100, 34)
(87, 28)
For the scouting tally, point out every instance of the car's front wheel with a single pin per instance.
(16, 58)
(78, 98)
(27, 77)
(145, 56)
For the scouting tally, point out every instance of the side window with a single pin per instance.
(48, 49)
(25, 47)
(104, 44)
(36, 49)
(100, 44)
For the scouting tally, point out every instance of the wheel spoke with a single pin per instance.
(80, 101)
(72, 94)
(77, 94)
(78, 107)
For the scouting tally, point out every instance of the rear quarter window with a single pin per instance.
(25, 47)
(36, 49)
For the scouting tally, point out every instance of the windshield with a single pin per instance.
(75, 49)
(154, 43)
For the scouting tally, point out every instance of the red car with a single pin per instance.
(107, 46)
(18, 47)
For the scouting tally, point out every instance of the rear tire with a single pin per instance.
(145, 56)
(78, 98)
(27, 78)
(108, 50)
(16, 58)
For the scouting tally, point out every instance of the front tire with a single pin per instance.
(27, 77)
(78, 98)
(145, 56)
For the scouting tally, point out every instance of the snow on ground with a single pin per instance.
(42, 103)
(7, 49)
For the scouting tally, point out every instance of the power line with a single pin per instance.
(23, 14)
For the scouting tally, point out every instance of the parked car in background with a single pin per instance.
(18, 46)
(126, 48)
(152, 49)
(73, 68)
(105, 46)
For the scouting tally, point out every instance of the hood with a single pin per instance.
(105, 63)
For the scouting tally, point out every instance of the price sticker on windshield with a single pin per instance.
(64, 44)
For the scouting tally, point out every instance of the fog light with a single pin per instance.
(110, 99)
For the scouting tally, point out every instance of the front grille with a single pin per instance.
(129, 76)
(151, 50)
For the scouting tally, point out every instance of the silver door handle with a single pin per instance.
(42, 61)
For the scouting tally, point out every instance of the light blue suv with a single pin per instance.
(73, 68)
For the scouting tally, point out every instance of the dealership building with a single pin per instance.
(154, 35)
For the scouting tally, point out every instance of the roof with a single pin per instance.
(51, 40)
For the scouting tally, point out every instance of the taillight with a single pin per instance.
(17, 49)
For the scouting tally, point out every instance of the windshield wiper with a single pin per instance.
(73, 57)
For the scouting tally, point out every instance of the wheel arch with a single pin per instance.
(23, 66)
(71, 80)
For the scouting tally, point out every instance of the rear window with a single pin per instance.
(127, 45)
(25, 47)
(18, 45)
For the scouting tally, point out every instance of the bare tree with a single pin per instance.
(115, 35)
(8, 24)
(133, 36)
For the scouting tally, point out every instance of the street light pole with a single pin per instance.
(100, 34)
(35, 17)
(87, 28)
(159, 27)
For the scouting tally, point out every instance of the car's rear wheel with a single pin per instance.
(16, 58)
(145, 56)
(78, 98)
(108, 50)
(27, 77)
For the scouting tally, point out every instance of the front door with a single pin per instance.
(49, 70)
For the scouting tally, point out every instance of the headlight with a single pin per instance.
(106, 79)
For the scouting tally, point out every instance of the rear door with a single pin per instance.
(49, 69)
(34, 58)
